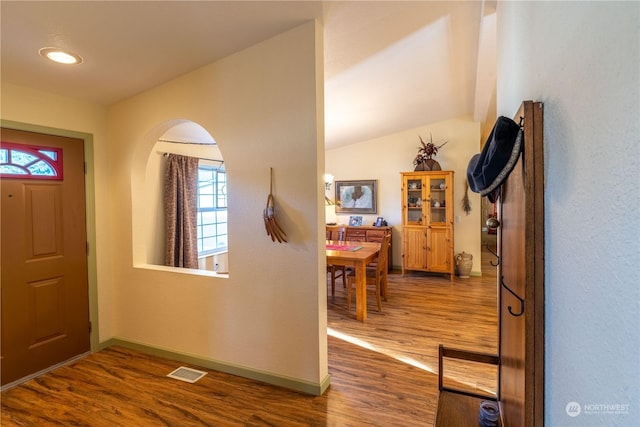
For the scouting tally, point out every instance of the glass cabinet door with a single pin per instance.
(415, 200)
(437, 200)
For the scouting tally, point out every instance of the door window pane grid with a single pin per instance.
(30, 162)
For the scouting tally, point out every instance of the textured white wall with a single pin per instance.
(261, 106)
(582, 60)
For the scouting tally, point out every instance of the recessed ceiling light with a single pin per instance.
(60, 56)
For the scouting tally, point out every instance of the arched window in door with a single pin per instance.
(30, 161)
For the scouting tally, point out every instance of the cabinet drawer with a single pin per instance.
(375, 235)
(357, 235)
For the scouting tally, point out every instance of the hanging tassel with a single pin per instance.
(465, 203)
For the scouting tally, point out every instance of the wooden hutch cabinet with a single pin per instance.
(427, 221)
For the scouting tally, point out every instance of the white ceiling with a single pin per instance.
(389, 65)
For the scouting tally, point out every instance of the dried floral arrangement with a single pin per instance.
(426, 150)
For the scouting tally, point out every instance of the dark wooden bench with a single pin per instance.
(460, 407)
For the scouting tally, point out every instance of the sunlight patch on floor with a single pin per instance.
(402, 358)
(384, 351)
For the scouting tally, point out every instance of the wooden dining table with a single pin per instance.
(356, 255)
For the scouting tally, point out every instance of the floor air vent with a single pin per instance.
(187, 374)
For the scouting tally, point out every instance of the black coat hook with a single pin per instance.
(494, 254)
(515, 295)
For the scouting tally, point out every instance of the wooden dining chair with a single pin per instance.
(376, 276)
(337, 271)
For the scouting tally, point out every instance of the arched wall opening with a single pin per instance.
(182, 137)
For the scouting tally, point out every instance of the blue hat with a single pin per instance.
(489, 169)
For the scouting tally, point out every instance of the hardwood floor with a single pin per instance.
(383, 371)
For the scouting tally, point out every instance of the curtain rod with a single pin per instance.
(186, 142)
(201, 158)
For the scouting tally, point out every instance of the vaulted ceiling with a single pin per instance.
(389, 65)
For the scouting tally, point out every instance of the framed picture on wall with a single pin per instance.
(356, 196)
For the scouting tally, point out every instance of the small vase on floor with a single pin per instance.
(464, 262)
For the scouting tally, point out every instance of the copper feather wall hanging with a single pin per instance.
(269, 214)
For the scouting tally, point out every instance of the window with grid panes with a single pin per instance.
(212, 209)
